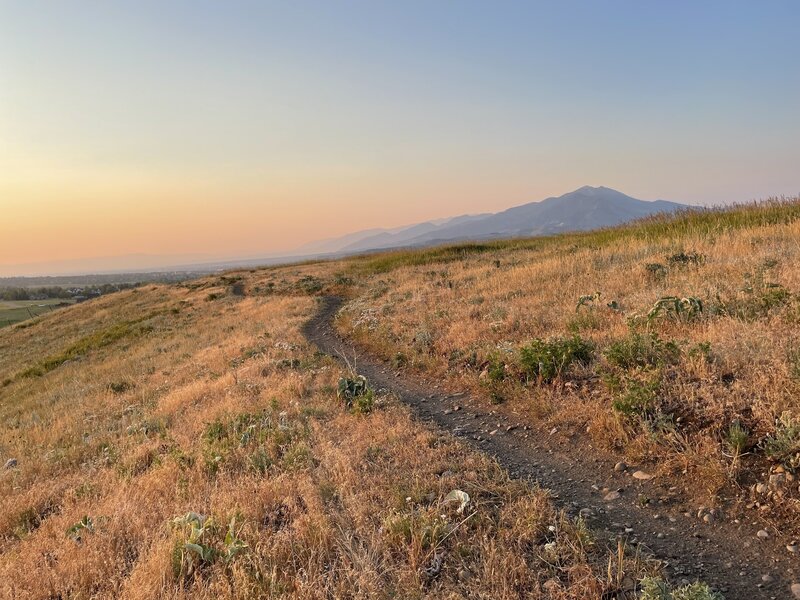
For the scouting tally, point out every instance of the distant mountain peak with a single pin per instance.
(588, 207)
(588, 189)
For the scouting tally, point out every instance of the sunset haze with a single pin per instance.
(220, 130)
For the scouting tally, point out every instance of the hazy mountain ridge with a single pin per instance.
(580, 210)
(585, 208)
(399, 238)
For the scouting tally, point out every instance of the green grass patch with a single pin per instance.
(640, 350)
(385, 262)
(95, 341)
(16, 311)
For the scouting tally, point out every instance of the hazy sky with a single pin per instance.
(238, 128)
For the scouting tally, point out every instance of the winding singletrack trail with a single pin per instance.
(727, 555)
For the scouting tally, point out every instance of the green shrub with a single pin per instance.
(200, 542)
(76, 531)
(737, 438)
(587, 300)
(638, 398)
(309, 284)
(641, 351)
(784, 444)
(546, 360)
(399, 360)
(496, 369)
(356, 394)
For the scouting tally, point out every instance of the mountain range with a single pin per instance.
(585, 208)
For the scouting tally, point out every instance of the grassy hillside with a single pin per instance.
(673, 342)
(186, 442)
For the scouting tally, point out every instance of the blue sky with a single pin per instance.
(275, 123)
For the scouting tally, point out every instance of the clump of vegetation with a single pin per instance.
(309, 284)
(120, 387)
(75, 532)
(255, 440)
(737, 438)
(657, 589)
(757, 299)
(682, 259)
(545, 360)
(703, 351)
(656, 270)
(288, 363)
(423, 340)
(794, 364)
(399, 360)
(784, 445)
(637, 398)
(238, 288)
(642, 350)
(681, 309)
(584, 321)
(197, 545)
(343, 280)
(356, 394)
(496, 370)
(587, 300)
(591, 301)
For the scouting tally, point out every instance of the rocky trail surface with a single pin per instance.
(741, 560)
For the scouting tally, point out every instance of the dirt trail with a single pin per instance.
(727, 555)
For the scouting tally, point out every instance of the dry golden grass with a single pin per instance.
(461, 316)
(210, 401)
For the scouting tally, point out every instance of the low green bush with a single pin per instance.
(545, 360)
(638, 398)
(356, 394)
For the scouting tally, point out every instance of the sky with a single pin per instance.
(207, 129)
